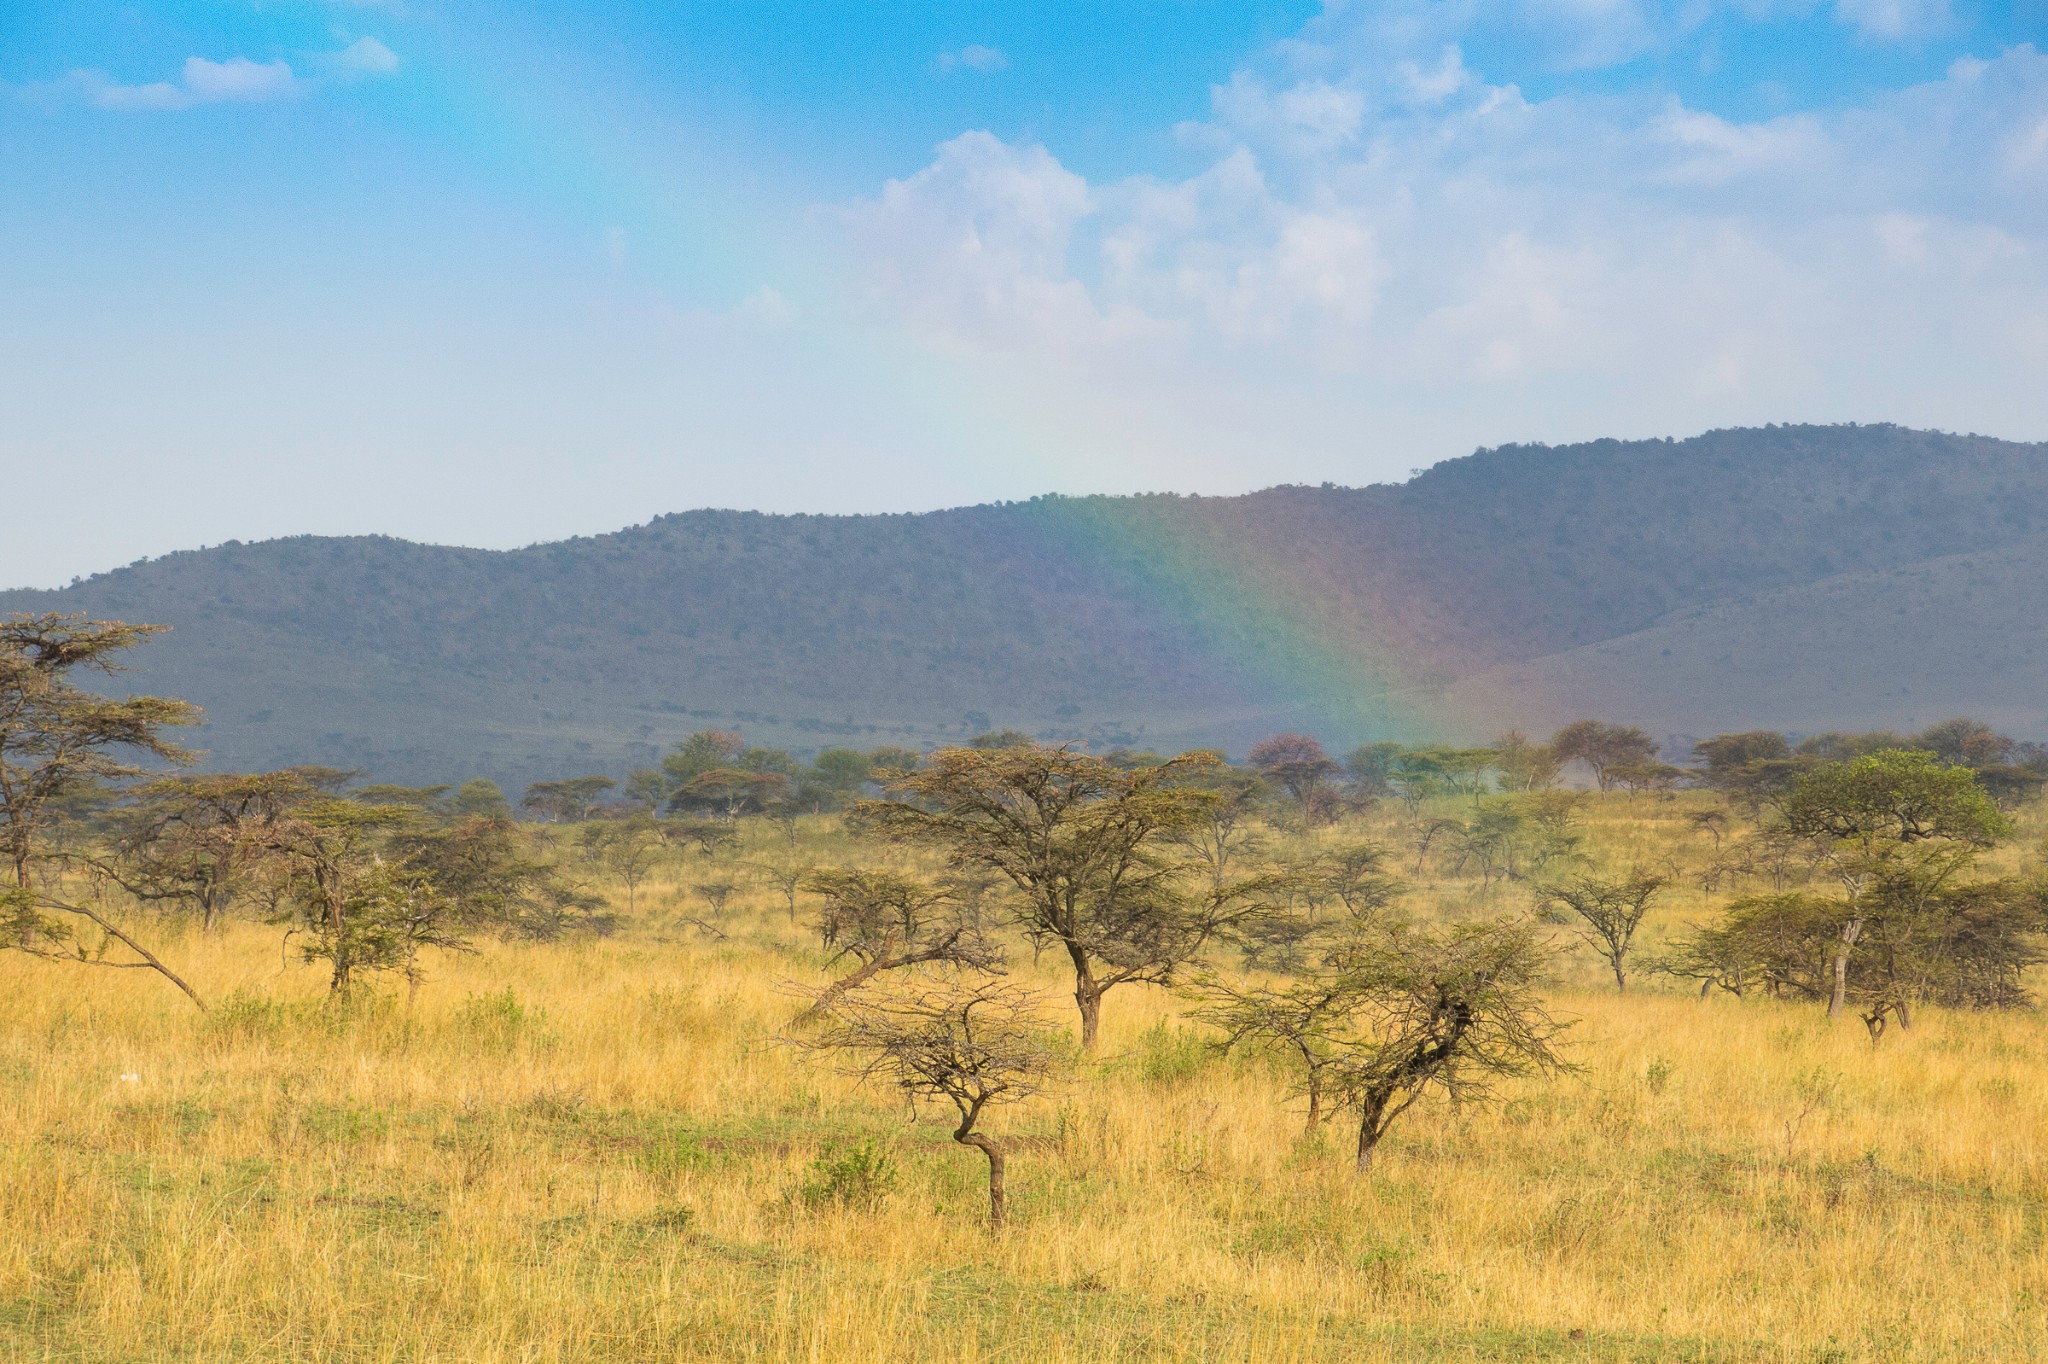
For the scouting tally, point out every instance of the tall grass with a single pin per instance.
(597, 1152)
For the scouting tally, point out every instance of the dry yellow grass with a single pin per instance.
(595, 1152)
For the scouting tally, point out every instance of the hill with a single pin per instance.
(1520, 584)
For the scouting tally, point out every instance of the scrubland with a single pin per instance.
(598, 1150)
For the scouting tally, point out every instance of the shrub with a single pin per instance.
(859, 1176)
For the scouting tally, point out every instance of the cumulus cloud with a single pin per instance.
(974, 57)
(1479, 261)
(977, 242)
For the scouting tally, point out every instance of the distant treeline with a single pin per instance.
(716, 773)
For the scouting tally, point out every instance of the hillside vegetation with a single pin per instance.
(1357, 613)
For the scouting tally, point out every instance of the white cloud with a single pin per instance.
(365, 57)
(978, 240)
(238, 80)
(1446, 79)
(1476, 263)
(234, 81)
(1894, 18)
(974, 57)
(1708, 150)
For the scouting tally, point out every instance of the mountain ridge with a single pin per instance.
(1156, 618)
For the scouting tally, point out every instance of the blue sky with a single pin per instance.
(492, 273)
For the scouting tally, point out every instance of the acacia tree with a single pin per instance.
(1608, 913)
(1967, 945)
(1298, 764)
(1084, 844)
(629, 848)
(1355, 876)
(59, 744)
(1887, 819)
(356, 908)
(885, 922)
(729, 792)
(1603, 748)
(482, 797)
(1222, 834)
(787, 874)
(1294, 1022)
(976, 1046)
(1751, 765)
(1394, 1011)
(567, 801)
(496, 876)
(1523, 765)
(200, 839)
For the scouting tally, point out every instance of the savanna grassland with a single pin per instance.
(598, 1149)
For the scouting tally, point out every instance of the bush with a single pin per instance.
(673, 1156)
(496, 1019)
(1171, 1056)
(244, 1017)
(851, 1177)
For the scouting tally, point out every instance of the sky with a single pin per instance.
(494, 273)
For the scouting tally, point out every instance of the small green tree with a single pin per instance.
(1603, 748)
(567, 801)
(1890, 817)
(199, 840)
(1084, 844)
(1524, 765)
(480, 798)
(1224, 831)
(1606, 913)
(1750, 766)
(729, 792)
(498, 877)
(1298, 765)
(630, 849)
(1394, 1011)
(352, 906)
(844, 771)
(698, 754)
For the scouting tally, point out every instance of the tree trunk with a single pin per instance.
(998, 1204)
(1620, 981)
(19, 856)
(1369, 1129)
(1088, 996)
(1850, 932)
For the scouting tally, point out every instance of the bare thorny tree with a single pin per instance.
(976, 1045)
(884, 921)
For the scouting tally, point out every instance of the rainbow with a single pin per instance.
(1303, 651)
